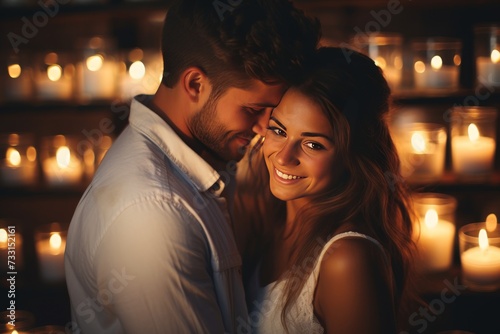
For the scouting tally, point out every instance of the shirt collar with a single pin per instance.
(148, 123)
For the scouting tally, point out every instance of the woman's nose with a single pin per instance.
(287, 155)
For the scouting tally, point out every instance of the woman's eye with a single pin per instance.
(277, 131)
(315, 146)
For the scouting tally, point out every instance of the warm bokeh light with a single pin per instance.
(495, 56)
(457, 60)
(137, 70)
(380, 62)
(418, 142)
(14, 71)
(54, 72)
(55, 241)
(431, 218)
(13, 157)
(3, 235)
(436, 62)
(473, 132)
(419, 66)
(31, 154)
(491, 222)
(63, 157)
(95, 62)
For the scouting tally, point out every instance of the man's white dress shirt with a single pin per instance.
(150, 247)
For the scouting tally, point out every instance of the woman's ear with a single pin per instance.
(195, 84)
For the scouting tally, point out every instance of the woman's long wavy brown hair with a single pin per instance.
(355, 97)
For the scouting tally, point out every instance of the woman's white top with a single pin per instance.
(266, 302)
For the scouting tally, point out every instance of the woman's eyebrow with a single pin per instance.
(314, 134)
(278, 122)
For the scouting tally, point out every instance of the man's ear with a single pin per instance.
(195, 84)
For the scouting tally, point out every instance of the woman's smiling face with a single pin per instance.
(299, 150)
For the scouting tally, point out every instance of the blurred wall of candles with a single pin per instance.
(62, 161)
(18, 161)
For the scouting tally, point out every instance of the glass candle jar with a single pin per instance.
(17, 78)
(386, 50)
(473, 141)
(54, 77)
(18, 160)
(480, 255)
(436, 63)
(140, 72)
(50, 246)
(97, 71)
(421, 148)
(487, 53)
(434, 230)
(61, 161)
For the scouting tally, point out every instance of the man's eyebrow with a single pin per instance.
(263, 104)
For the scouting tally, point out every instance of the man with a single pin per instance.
(150, 247)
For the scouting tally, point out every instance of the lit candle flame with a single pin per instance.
(483, 239)
(418, 142)
(55, 241)
(94, 63)
(436, 62)
(431, 218)
(14, 70)
(63, 157)
(3, 235)
(137, 70)
(54, 72)
(495, 56)
(13, 157)
(473, 132)
(491, 222)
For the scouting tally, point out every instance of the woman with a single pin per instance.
(327, 245)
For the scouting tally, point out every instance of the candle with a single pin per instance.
(434, 242)
(421, 147)
(140, 73)
(472, 154)
(18, 82)
(54, 83)
(19, 165)
(50, 250)
(481, 264)
(63, 169)
(436, 75)
(97, 78)
(488, 69)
